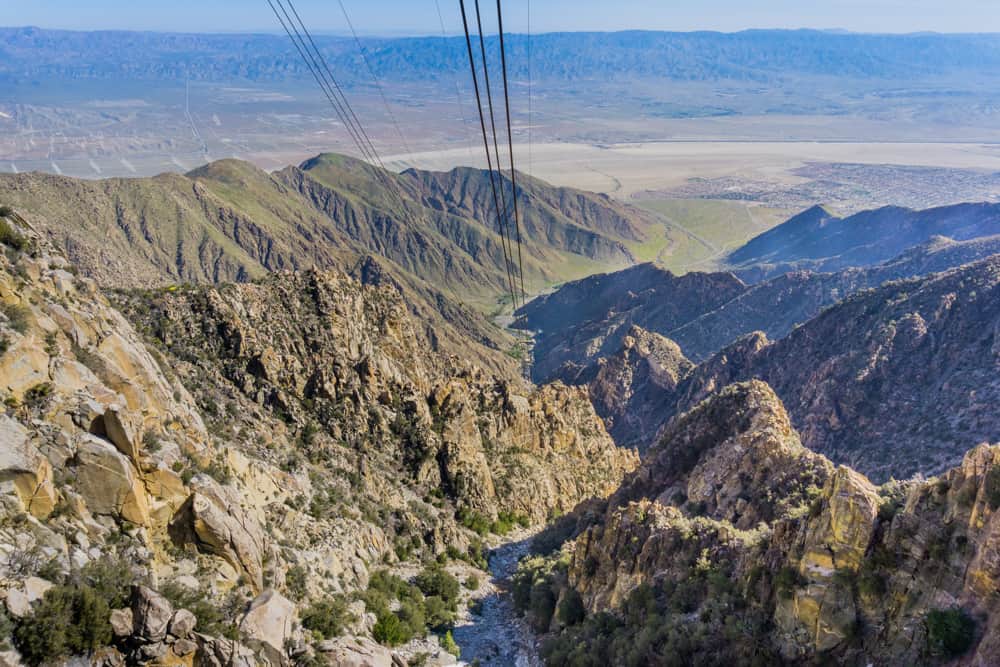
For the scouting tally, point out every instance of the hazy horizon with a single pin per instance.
(405, 17)
(402, 34)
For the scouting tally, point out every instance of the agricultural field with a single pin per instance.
(704, 230)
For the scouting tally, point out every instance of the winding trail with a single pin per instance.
(495, 636)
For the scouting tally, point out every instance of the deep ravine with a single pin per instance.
(495, 636)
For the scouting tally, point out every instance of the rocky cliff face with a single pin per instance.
(633, 389)
(344, 370)
(252, 451)
(892, 381)
(733, 543)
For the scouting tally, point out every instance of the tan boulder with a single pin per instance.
(151, 613)
(354, 652)
(839, 537)
(25, 365)
(17, 602)
(109, 483)
(220, 527)
(122, 430)
(36, 588)
(23, 466)
(271, 618)
(464, 465)
(182, 624)
(167, 492)
(221, 652)
(121, 622)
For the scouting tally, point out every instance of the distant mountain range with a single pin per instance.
(820, 240)
(754, 55)
(430, 235)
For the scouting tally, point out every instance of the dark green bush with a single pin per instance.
(786, 581)
(389, 630)
(474, 521)
(110, 577)
(6, 630)
(571, 610)
(326, 617)
(449, 645)
(992, 487)
(437, 613)
(212, 620)
(69, 620)
(416, 614)
(870, 581)
(411, 614)
(17, 317)
(950, 631)
(435, 580)
(542, 607)
(37, 395)
(295, 582)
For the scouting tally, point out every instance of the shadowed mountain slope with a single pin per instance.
(819, 240)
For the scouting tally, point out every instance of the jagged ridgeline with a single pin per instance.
(889, 366)
(244, 474)
(733, 544)
(230, 221)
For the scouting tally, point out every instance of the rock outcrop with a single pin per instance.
(831, 568)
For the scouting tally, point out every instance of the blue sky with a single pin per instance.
(420, 16)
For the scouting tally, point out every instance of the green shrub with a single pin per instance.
(295, 582)
(69, 620)
(471, 582)
(435, 580)
(326, 617)
(870, 581)
(786, 581)
(36, 396)
(507, 520)
(992, 487)
(437, 613)
(110, 577)
(5, 211)
(571, 610)
(542, 607)
(449, 645)
(17, 317)
(474, 521)
(212, 620)
(388, 630)
(6, 630)
(950, 631)
(9, 236)
(411, 615)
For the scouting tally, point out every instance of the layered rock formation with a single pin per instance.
(733, 543)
